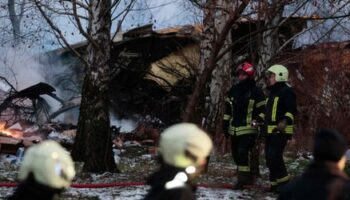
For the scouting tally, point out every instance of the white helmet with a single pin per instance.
(50, 164)
(280, 71)
(179, 140)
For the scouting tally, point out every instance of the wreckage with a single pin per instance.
(24, 108)
(27, 104)
(151, 71)
(154, 71)
(15, 107)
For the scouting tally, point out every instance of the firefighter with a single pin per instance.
(280, 112)
(245, 105)
(324, 178)
(47, 169)
(183, 149)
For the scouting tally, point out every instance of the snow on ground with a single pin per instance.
(138, 192)
(136, 165)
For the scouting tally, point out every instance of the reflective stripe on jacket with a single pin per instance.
(280, 105)
(245, 103)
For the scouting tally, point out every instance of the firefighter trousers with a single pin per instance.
(241, 146)
(274, 148)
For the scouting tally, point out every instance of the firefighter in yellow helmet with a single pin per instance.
(47, 169)
(279, 119)
(183, 151)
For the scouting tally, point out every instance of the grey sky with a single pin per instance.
(161, 13)
(169, 13)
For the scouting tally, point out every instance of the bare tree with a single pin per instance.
(93, 143)
(268, 18)
(322, 23)
(270, 37)
(16, 19)
(210, 56)
(21, 24)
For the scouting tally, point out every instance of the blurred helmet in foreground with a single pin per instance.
(184, 144)
(50, 164)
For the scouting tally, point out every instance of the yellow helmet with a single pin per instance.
(179, 140)
(280, 71)
(50, 164)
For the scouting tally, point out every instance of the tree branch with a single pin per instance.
(79, 3)
(80, 28)
(20, 16)
(64, 13)
(58, 33)
(126, 11)
(119, 26)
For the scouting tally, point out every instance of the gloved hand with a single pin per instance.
(254, 123)
(281, 126)
(257, 122)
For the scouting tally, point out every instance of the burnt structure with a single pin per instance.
(147, 76)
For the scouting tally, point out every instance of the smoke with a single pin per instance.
(19, 67)
(22, 68)
(126, 125)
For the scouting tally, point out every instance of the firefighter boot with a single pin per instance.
(243, 179)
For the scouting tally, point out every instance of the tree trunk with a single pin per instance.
(221, 79)
(193, 106)
(15, 21)
(270, 38)
(208, 35)
(93, 143)
(195, 109)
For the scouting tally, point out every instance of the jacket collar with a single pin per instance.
(277, 86)
(246, 84)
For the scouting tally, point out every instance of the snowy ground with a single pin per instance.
(137, 193)
(136, 165)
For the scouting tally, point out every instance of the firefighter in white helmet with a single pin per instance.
(183, 151)
(47, 169)
(279, 120)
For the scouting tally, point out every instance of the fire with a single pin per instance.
(11, 133)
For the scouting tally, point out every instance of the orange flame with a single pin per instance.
(12, 133)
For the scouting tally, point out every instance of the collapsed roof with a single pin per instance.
(153, 69)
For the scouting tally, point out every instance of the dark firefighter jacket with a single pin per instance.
(280, 105)
(245, 102)
(321, 181)
(31, 189)
(166, 186)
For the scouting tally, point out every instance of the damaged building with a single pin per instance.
(153, 72)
